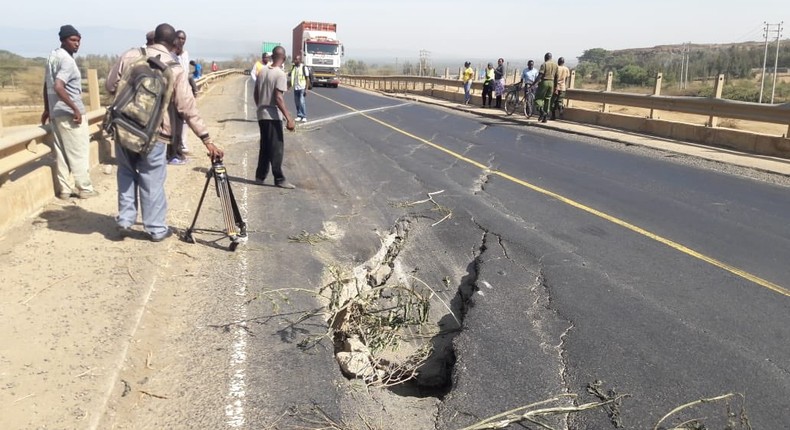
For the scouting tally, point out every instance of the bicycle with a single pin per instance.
(514, 100)
(529, 106)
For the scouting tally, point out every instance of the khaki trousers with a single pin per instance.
(72, 153)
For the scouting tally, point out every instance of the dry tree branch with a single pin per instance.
(433, 293)
(534, 416)
(698, 402)
(311, 238)
(438, 207)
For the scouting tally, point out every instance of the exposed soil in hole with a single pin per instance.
(392, 329)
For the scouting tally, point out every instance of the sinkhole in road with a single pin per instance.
(392, 323)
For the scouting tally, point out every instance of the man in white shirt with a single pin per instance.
(528, 77)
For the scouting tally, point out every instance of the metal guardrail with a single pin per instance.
(30, 144)
(706, 106)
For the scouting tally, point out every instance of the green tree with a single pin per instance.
(633, 75)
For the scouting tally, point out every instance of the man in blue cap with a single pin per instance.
(64, 109)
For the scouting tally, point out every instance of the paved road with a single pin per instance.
(663, 277)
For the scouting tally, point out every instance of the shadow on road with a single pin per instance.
(222, 121)
(74, 219)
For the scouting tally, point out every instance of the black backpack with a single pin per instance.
(144, 93)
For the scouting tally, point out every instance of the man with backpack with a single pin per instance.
(143, 172)
(300, 81)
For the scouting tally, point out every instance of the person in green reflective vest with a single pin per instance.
(488, 85)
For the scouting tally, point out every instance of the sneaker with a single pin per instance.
(285, 184)
(65, 196)
(86, 194)
(167, 234)
(304, 119)
(177, 161)
(259, 181)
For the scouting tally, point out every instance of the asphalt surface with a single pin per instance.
(587, 261)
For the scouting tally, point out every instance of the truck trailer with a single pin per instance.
(320, 49)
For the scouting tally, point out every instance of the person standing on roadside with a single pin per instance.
(198, 73)
(547, 81)
(300, 79)
(64, 109)
(176, 152)
(488, 84)
(258, 66)
(214, 66)
(468, 77)
(499, 81)
(144, 175)
(558, 101)
(272, 82)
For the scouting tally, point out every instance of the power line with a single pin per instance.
(751, 33)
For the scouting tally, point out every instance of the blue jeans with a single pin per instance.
(144, 176)
(467, 92)
(301, 110)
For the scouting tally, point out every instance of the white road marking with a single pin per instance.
(360, 112)
(237, 386)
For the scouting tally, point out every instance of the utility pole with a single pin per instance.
(776, 59)
(425, 60)
(688, 60)
(684, 65)
(765, 59)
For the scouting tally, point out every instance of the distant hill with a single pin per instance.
(31, 43)
(636, 66)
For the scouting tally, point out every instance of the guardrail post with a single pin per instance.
(571, 84)
(713, 121)
(656, 92)
(446, 73)
(609, 77)
(93, 89)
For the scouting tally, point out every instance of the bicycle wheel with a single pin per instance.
(529, 105)
(510, 103)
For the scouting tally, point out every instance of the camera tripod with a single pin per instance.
(235, 227)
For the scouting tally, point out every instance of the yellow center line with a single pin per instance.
(668, 242)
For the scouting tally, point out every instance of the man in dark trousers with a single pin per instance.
(272, 82)
(547, 81)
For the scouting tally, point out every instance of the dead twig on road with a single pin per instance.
(157, 396)
(744, 420)
(437, 207)
(45, 288)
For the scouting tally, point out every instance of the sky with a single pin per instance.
(458, 29)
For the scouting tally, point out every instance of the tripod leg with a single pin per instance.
(188, 234)
(223, 191)
(237, 214)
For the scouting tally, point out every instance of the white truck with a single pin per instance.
(317, 44)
